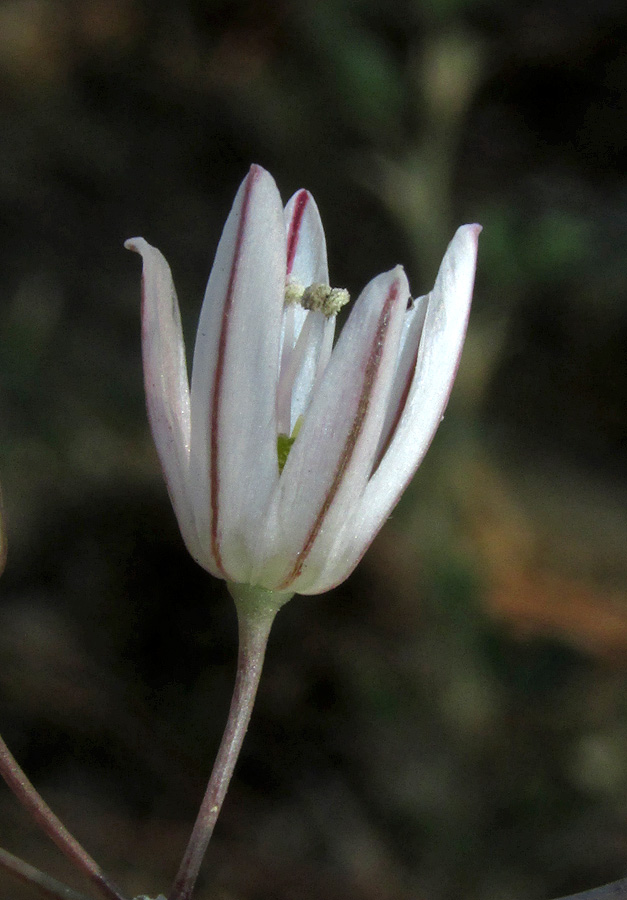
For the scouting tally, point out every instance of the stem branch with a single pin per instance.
(46, 884)
(256, 610)
(51, 825)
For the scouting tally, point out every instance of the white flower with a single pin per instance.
(288, 453)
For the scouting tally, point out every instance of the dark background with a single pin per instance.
(452, 721)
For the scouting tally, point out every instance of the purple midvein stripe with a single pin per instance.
(370, 377)
(300, 205)
(214, 481)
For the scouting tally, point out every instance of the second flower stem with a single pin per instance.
(46, 884)
(52, 825)
(256, 610)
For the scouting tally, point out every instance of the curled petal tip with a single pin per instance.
(134, 244)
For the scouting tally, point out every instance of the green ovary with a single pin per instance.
(284, 443)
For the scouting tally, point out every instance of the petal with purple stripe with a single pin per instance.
(332, 457)
(306, 252)
(167, 387)
(438, 358)
(235, 372)
(307, 335)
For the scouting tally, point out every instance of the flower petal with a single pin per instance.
(306, 247)
(438, 358)
(307, 337)
(332, 457)
(235, 372)
(167, 387)
(309, 360)
(408, 354)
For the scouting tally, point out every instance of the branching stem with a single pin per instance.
(52, 826)
(45, 884)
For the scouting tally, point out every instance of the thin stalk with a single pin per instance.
(45, 884)
(51, 825)
(256, 610)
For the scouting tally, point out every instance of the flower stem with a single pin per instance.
(46, 884)
(256, 609)
(51, 825)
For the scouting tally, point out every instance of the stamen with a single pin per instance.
(319, 297)
(294, 291)
(325, 299)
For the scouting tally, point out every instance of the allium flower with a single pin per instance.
(287, 454)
